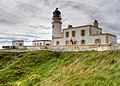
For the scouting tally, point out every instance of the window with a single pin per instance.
(82, 41)
(82, 32)
(75, 42)
(47, 44)
(73, 33)
(97, 41)
(72, 42)
(52, 26)
(67, 34)
(40, 43)
(37, 43)
(20, 44)
(57, 43)
(97, 32)
(67, 43)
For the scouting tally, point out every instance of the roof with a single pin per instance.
(80, 27)
(41, 40)
(18, 41)
(56, 13)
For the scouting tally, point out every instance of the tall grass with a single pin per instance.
(46, 68)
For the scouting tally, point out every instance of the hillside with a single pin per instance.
(45, 68)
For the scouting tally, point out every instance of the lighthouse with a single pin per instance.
(56, 24)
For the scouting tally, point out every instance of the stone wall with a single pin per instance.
(73, 48)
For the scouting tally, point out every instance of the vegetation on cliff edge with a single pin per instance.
(46, 68)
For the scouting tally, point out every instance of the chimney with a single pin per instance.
(96, 24)
(69, 26)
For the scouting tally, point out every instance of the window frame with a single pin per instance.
(98, 41)
(37, 44)
(67, 34)
(73, 33)
(53, 26)
(67, 42)
(40, 43)
(57, 42)
(75, 42)
(20, 44)
(82, 42)
(82, 32)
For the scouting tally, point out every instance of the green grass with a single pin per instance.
(45, 68)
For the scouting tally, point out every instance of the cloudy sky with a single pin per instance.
(31, 19)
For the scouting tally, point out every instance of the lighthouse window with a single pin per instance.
(67, 34)
(82, 32)
(73, 33)
(52, 26)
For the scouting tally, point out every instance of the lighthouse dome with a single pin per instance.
(56, 13)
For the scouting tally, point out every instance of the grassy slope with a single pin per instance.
(45, 68)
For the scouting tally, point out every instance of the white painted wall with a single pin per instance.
(41, 43)
(102, 37)
(78, 36)
(112, 39)
(89, 39)
(56, 30)
(73, 48)
(18, 44)
(95, 30)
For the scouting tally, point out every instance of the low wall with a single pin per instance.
(64, 48)
(73, 48)
(32, 48)
(13, 50)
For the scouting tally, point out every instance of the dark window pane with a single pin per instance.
(73, 33)
(67, 43)
(97, 41)
(82, 32)
(67, 34)
(57, 43)
(82, 41)
(52, 26)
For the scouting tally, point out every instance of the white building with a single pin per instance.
(17, 44)
(86, 35)
(41, 42)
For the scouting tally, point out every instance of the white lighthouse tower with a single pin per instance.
(56, 24)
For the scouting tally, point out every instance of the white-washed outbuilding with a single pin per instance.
(17, 43)
(41, 42)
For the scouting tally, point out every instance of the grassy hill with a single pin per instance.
(45, 68)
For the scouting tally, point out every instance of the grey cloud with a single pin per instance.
(92, 12)
(95, 12)
(9, 18)
(31, 19)
(40, 27)
(30, 9)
